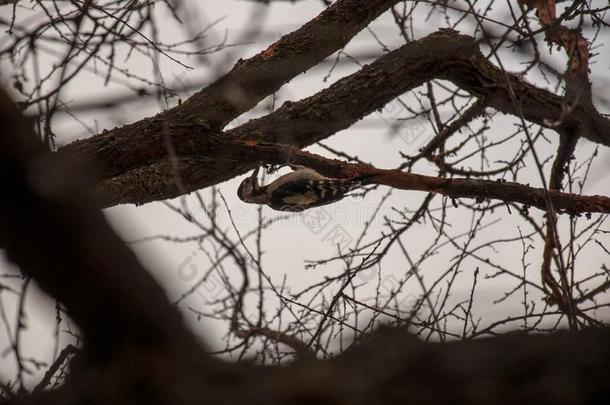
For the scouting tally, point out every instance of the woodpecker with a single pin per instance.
(297, 191)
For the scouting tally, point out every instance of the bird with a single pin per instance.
(299, 190)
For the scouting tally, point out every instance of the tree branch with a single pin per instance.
(573, 204)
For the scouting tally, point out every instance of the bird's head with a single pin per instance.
(249, 189)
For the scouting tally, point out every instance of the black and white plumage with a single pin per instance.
(297, 191)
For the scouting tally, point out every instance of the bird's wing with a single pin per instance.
(302, 174)
(308, 194)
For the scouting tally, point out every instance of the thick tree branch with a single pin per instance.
(442, 55)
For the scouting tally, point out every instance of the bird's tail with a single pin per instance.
(353, 183)
(364, 179)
